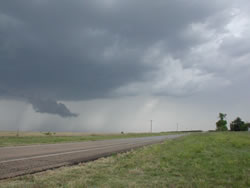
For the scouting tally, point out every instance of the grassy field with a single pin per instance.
(198, 160)
(26, 138)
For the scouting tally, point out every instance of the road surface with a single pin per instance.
(21, 160)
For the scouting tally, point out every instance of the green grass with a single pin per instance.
(198, 160)
(26, 140)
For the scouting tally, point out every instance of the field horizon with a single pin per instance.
(10, 138)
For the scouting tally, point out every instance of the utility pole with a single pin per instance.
(177, 127)
(151, 126)
(17, 133)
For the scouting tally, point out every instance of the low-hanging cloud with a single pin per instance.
(51, 107)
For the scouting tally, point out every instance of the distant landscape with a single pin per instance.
(11, 138)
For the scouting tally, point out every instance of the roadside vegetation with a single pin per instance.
(235, 125)
(8, 139)
(218, 159)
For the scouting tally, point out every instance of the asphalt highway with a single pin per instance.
(21, 160)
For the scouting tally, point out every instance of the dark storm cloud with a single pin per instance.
(77, 50)
(51, 107)
(236, 47)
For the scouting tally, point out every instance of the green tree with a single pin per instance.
(221, 124)
(238, 125)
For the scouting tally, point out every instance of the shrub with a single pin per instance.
(48, 133)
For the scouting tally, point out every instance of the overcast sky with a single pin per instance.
(113, 65)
